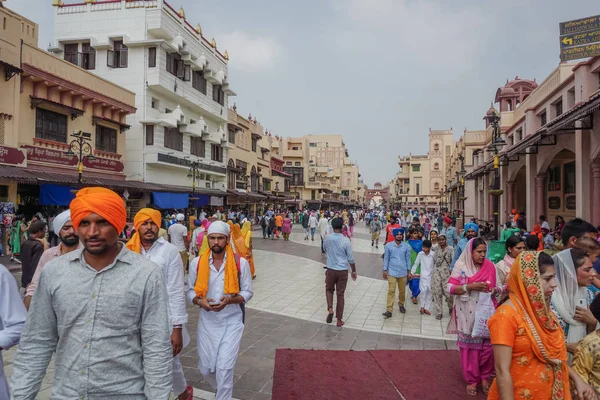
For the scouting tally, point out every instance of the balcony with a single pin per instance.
(293, 153)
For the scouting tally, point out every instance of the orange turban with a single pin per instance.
(135, 243)
(101, 201)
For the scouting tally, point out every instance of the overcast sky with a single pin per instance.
(379, 72)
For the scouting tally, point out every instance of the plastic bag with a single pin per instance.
(483, 311)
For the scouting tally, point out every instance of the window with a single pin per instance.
(254, 144)
(312, 145)
(149, 135)
(89, 57)
(266, 185)
(198, 81)
(198, 147)
(543, 119)
(436, 166)
(50, 125)
(436, 147)
(416, 167)
(4, 23)
(152, 57)
(173, 139)
(155, 103)
(559, 107)
(218, 94)
(436, 186)
(554, 178)
(117, 58)
(216, 153)
(231, 138)
(106, 139)
(417, 189)
(176, 67)
(297, 163)
(569, 171)
(295, 148)
(288, 163)
(313, 195)
(71, 53)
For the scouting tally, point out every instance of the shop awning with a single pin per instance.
(56, 195)
(166, 200)
(201, 200)
(567, 120)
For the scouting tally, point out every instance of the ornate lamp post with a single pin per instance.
(193, 173)
(462, 174)
(81, 147)
(497, 143)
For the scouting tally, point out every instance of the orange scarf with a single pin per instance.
(546, 335)
(232, 284)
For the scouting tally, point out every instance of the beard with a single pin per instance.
(217, 249)
(70, 240)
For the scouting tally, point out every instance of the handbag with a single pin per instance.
(483, 311)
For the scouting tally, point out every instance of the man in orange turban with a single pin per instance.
(148, 243)
(96, 301)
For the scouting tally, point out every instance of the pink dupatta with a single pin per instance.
(464, 306)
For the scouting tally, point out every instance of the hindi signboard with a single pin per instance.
(12, 156)
(580, 25)
(580, 38)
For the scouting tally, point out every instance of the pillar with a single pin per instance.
(530, 173)
(596, 192)
(503, 209)
(475, 202)
(486, 198)
(582, 174)
(540, 185)
(510, 193)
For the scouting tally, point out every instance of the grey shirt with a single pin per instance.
(110, 331)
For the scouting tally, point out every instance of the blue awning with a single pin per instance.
(202, 200)
(55, 195)
(165, 200)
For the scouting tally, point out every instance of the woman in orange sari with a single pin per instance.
(529, 345)
(239, 242)
(247, 234)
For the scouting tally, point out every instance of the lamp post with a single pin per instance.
(497, 144)
(276, 192)
(462, 174)
(81, 147)
(193, 173)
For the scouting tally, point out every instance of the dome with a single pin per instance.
(491, 111)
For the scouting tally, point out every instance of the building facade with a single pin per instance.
(180, 81)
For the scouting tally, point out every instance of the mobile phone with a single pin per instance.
(581, 303)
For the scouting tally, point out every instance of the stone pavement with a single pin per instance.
(288, 311)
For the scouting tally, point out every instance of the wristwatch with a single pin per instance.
(464, 288)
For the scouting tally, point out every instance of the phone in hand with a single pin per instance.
(581, 303)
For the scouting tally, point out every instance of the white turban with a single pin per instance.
(218, 227)
(60, 220)
(180, 217)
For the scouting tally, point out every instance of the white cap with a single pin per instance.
(180, 217)
(219, 227)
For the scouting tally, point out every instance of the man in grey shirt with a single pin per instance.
(103, 309)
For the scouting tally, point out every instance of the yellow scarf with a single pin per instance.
(232, 284)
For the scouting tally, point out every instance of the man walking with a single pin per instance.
(375, 230)
(145, 241)
(102, 310)
(471, 231)
(312, 224)
(450, 232)
(322, 227)
(339, 256)
(441, 273)
(12, 320)
(178, 236)
(69, 241)
(220, 284)
(31, 252)
(396, 265)
(305, 224)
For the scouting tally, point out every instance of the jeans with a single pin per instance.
(312, 232)
(322, 247)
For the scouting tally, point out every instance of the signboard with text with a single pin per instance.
(580, 38)
(12, 156)
(57, 157)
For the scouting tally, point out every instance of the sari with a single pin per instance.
(415, 283)
(239, 243)
(248, 243)
(539, 366)
(475, 353)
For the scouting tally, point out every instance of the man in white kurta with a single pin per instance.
(221, 324)
(12, 320)
(424, 268)
(150, 245)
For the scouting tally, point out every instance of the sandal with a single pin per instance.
(472, 390)
(329, 318)
(485, 386)
(439, 316)
(340, 323)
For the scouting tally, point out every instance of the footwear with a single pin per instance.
(472, 390)
(426, 312)
(439, 316)
(372, 243)
(414, 300)
(422, 310)
(340, 323)
(190, 393)
(376, 246)
(485, 386)
(387, 314)
(450, 311)
(402, 310)
(329, 318)
(253, 277)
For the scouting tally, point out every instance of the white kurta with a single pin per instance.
(426, 263)
(220, 333)
(12, 320)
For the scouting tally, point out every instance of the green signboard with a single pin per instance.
(577, 52)
(580, 38)
(580, 25)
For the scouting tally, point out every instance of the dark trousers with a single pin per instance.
(322, 247)
(336, 281)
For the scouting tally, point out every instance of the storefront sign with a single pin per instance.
(570, 203)
(104, 164)
(12, 156)
(554, 203)
(51, 156)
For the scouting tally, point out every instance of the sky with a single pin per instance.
(378, 72)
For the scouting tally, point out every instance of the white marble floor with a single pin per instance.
(359, 245)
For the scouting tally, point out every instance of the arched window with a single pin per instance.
(436, 186)
(231, 174)
(436, 166)
(436, 147)
(254, 179)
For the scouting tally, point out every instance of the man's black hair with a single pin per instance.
(576, 227)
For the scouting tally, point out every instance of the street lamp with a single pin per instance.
(497, 143)
(81, 147)
(193, 173)
(462, 174)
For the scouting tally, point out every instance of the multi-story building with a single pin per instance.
(420, 179)
(180, 81)
(550, 164)
(61, 127)
(377, 197)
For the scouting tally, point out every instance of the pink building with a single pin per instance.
(550, 164)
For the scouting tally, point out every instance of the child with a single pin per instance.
(417, 245)
(586, 361)
(423, 267)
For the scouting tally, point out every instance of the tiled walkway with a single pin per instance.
(288, 310)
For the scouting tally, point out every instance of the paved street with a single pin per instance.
(288, 311)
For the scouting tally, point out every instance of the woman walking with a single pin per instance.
(472, 275)
(529, 347)
(286, 227)
(351, 224)
(514, 246)
(441, 273)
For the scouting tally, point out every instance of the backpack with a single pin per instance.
(263, 222)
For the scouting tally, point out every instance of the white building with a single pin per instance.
(179, 77)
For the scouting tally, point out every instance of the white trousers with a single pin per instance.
(4, 393)
(425, 298)
(221, 380)
(179, 382)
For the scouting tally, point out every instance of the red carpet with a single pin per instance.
(368, 375)
(331, 375)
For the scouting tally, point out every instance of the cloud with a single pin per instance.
(249, 53)
(423, 32)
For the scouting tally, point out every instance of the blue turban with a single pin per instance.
(398, 230)
(473, 226)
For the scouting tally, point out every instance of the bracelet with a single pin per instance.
(464, 288)
(177, 326)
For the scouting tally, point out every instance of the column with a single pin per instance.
(530, 172)
(582, 174)
(510, 190)
(540, 184)
(475, 201)
(596, 192)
